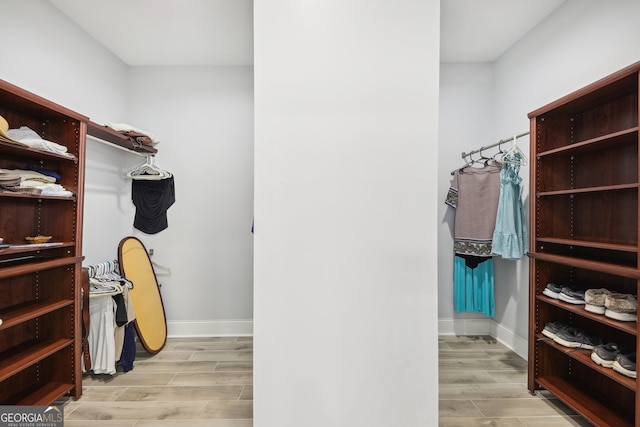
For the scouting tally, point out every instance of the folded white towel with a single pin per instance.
(29, 137)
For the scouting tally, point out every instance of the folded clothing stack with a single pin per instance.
(29, 137)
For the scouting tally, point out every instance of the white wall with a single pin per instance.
(581, 42)
(466, 123)
(204, 117)
(345, 263)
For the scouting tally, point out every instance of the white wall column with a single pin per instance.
(345, 264)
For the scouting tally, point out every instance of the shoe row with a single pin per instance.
(616, 305)
(609, 355)
(619, 359)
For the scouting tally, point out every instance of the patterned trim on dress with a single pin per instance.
(472, 247)
(452, 198)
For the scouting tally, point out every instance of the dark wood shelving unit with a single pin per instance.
(584, 231)
(40, 308)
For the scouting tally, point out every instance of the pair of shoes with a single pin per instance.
(605, 354)
(572, 295)
(552, 290)
(621, 307)
(552, 328)
(625, 364)
(594, 300)
(576, 338)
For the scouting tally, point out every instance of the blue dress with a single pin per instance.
(510, 237)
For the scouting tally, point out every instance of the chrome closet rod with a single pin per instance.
(502, 141)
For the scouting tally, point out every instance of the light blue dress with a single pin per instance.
(510, 237)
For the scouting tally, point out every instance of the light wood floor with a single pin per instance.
(482, 383)
(208, 382)
(191, 382)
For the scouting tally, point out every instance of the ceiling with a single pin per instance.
(220, 32)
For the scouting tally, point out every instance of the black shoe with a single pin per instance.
(576, 338)
(572, 295)
(605, 354)
(625, 364)
(552, 290)
(551, 329)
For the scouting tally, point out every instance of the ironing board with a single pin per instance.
(135, 266)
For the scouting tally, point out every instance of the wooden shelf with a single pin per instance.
(603, 267)
(588, 244)
(584, 182)
(589, 407)
(604, 188)
(27, 354)
(43, 396)
(630, 328)
(110, 136)
(37, 266)
(594, 144)
(30, 311)
(40, 289)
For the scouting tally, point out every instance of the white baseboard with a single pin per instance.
(516, 343)
(482, 326)
(475, 326)
(217, 328)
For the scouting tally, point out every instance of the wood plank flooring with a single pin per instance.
(482, 383)
(200, 382)
(193, 382)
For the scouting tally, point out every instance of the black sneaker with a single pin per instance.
(572, 295)
(551, 329)
(576, 338)
(605, 354)
(552, 290)
(625, 364)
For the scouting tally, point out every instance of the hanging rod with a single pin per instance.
(502, 141)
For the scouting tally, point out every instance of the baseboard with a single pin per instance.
(481, 326)
(216, 328)
(475, 326)
(506, 336)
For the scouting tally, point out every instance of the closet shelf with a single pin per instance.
(28, 354)
(603, 267)
(591, 408)
(111, 137)
(32, 153)
(31, 311)
(584, 356)
(588, 244)
(43, 396)
(38, 266)
(627, 327)
(35, 196)
(600, 189)
(619, 137)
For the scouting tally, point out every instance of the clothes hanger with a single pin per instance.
(483, 157)
(148, 170)
(515, 155)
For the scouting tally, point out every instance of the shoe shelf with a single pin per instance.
(584, 356)
(584, 232)
(592, 408)
(630, 328)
